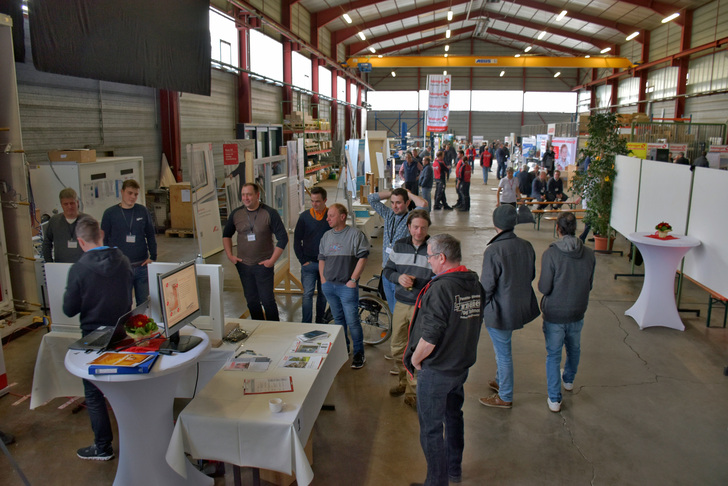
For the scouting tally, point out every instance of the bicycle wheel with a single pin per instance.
(376, 319)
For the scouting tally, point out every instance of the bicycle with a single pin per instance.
(374, 313)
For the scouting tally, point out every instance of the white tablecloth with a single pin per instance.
(656, 303)
(223, 424)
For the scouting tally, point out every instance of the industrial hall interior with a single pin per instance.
(363, 242)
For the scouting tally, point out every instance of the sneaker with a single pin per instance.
(494, 386)
(397, 391)
(91, 453)
(448, 208)
(358, 361)
(411, 401)
(495, 401)
(553, 406)
(567, 386)
(388, 356)
(394, 371)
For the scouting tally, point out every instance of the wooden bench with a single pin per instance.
(713, 298)
(578, 215)
(538, 213)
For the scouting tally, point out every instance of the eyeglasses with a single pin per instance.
(434, 255)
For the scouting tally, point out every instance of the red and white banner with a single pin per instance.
(438, 109)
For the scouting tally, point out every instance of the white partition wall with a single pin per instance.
(626, 194)
(708, 263)
(664, 196)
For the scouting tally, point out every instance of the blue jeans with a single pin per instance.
(311, 281)
(257, 283)
(389, 290)
(559, 336)
(426, 194)
(440, 400)
(344, 303)
(485, 174)
(140, 284)
(504, 362)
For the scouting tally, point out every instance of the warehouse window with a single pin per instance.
(393, 100)
(352, 93)
(490, 100)
(266, 56)
(301, 71)
(324, 81)
(340, 88)
(604, 96)
(584, 102)
(662, 83)
(549, 102)
(628, 91)
(709, 73)
(459, 100)
(223, 39)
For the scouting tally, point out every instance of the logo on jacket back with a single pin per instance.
(468, 306)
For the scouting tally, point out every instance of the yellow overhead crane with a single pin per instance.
(491, 61)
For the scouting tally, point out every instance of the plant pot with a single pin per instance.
(663, 234)
(601, 243)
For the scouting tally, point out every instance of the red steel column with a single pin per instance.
(682, 64)
(287, 77)
(615, 86)
(642, 73)
(593, 90)
(334, 105)
(171, 138)
(315, 86)
(359, 129)
(347, 110)
(245, 105)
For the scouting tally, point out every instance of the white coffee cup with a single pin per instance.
(275, 404)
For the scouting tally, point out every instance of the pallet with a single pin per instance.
(180, 233)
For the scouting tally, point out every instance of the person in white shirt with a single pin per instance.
(508, 191)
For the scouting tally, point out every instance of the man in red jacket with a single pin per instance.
(462, 184)
(485, 161)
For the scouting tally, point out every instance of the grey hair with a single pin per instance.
(446, 244)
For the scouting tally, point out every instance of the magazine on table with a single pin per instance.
(308, 347)
(247, 363)
(257, 386)
(302, 362)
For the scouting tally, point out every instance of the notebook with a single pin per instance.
(105, 337)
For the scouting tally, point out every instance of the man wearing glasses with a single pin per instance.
(442, 346)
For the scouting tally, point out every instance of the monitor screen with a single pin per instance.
(179, 297)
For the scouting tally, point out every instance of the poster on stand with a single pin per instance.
(564, 151)
(529, 148)
(233, 153)
(438, 106)
(204, 200)
(541, 142)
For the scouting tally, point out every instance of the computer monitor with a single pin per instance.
(179, 299)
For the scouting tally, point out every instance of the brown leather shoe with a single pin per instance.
(494, 386)
(495, 401)
(411, 401)
(397, 391)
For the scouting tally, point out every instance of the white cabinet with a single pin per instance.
(98, 184)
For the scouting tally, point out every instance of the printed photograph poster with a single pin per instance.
(637, 149)
(541, 142)
(564, 151)
(530, 149)
(438, 109)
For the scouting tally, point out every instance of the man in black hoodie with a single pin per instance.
(98, 287)
(442, 346)
(567, 272)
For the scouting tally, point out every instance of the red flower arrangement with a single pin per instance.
(663, 227)
(140, 326)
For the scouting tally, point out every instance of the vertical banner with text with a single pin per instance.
(438, 106)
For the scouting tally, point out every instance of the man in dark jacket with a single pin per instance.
(501, 155)
(59, 239)
(99, 288)
(425, 181)
(555, 189)
(443, 345)
(411, 172)
(548, 160)
(567, 273)
(539, 188)
(509, 267)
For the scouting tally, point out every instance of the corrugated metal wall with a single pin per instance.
(209, 119)
(710, 22)
(665, 41)
(708, 109)
(301, 22)
(267, 99)
(271, 10)
(324, 41)
(632, 50)
(658, 107)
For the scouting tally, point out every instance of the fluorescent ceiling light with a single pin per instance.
(527, 49)
(394, 75)
(670, 17)
(444, 73)
(362, 36)
(446, 54)
(517, 55)
(540, 36)
(372, 50)
(449, 15)
(557, 74)
(447, 47)
(447, 34)
(561, 15)
(605, 50)
(587, 56)
(502, 73)
(380, 55)
(632, 35)
(347, 18)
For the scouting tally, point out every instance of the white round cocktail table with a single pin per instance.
(656, 303)
(142, 406)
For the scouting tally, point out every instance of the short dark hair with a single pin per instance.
(68, 193)
(87, 228)
(319, 190)
(419, 213)
(566, 222)
(255, 187)
(439, 153)
(428, 159)
(461, 152)
(400, 192)
(340, 208)
(129, 183)
(448, 245)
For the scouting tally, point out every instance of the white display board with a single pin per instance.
(626, 194)
(664, 196)
(56, 275)
(204, 199)
(708, 263)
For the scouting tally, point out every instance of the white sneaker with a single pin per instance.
(554, 406)
(567, 386)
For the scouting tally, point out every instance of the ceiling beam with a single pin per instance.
(491, 62)
(328, 15)
(530, 41)
(550, 29)
(593, 19)
(425, 40)
(661, 8)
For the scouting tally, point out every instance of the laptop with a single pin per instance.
(105, 337)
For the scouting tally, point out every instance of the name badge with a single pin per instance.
(72, 244)
(251, 237)
(389, 249)
(131, 238)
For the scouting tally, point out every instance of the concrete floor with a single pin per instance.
(648, 407)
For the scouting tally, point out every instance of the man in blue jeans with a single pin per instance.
(343, 253)
(311, 226)
(509, 267)
(442, 346)
(567, 273)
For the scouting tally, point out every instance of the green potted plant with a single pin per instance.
(596, 184)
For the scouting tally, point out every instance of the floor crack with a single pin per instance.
(581, 453)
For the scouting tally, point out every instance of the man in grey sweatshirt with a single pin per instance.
(567, 273)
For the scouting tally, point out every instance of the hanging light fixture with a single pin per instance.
(447, 33)
(561, 15)
(449, 15)
(557, 74)
(540, 36)
(527, 49)
(670, 17)
(502, 73)
(587, 56)
(605, 50)
(446, 54)
(444, 73)
(633, 35)
(362, 36)
(372, 50)
(517, 55)
(447, 47)
(394, 75)
(347, 18)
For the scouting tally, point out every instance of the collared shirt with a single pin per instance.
(395, 226)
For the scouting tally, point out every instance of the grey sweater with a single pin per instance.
(56, 238)
(567, 273)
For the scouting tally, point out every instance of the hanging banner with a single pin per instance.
(438, 106)
(564, 151)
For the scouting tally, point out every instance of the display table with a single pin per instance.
(142, 406)
(221, 423)
(52, 380)
(656, 303)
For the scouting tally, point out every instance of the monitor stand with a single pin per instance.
(180, 344)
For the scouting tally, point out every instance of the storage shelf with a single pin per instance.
(319, 152)
(290, 132)
(316, 169)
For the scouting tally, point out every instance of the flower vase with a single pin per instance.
(663, 234)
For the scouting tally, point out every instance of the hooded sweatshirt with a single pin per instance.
(99, 287)
(567, 273)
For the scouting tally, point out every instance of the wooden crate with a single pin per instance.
(180, 206)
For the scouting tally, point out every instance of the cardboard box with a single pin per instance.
(180, 206)
(72, 155)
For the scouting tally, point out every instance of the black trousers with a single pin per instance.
(257, 283)
(440, 199)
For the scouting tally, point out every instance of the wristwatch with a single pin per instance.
(352, 280)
